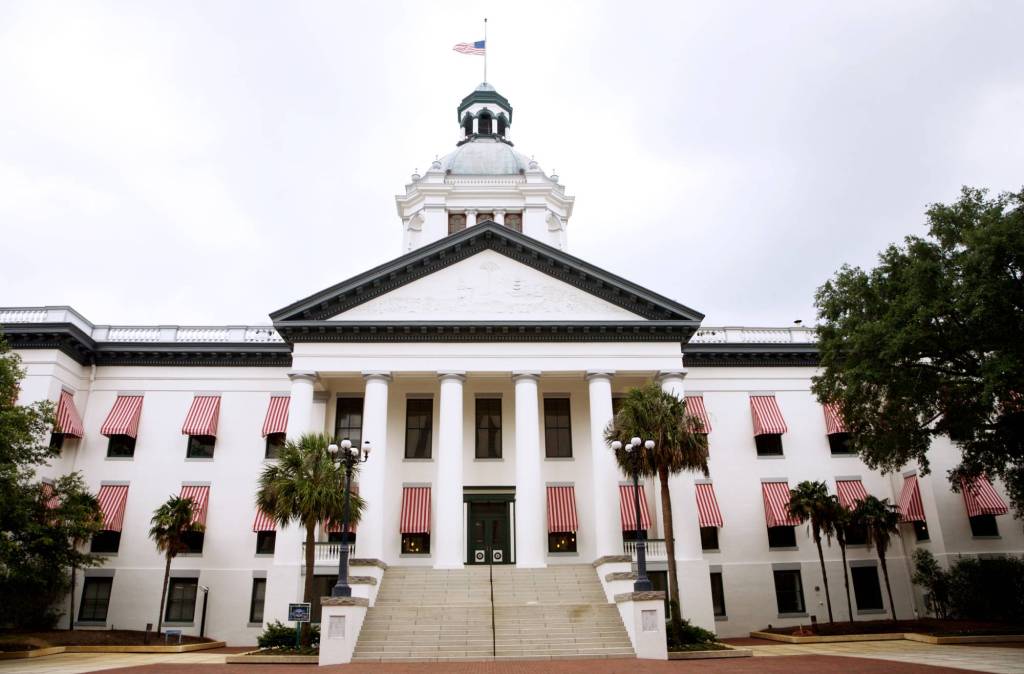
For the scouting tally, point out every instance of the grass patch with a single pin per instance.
(302, 650)
(711, 646)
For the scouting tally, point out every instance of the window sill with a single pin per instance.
(90, 623)
(491, 459)
(987, 538)
(199, 458)
(414, 555)
(721, 618)
(707, 549)
(265, 555)
(120, 458)
(785, 549)
(103, 554)
(190, 554)
(252, 624)
(843, 455)
(786, 616)
(171, 624)
(559, 458)
(856, 546)
(563, 554)
(771, 456)
(871, 611)
(412, 459)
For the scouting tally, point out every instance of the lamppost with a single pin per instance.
(347, 456)
(635, 452)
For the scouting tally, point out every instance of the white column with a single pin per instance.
(605, 471)
(691, 567)
(449, 542)
(300, 407)
(530, 497)
(499, 216)
(470, 217)
(372, 527)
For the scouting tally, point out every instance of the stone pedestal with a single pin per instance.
(341, 621)
(643, 614)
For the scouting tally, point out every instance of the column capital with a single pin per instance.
(455, 375)
(525, 375)
(377, 375)
(675, 373)
(303, 375)
(600, 375)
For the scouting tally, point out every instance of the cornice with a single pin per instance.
(750, 355)
(483, 331)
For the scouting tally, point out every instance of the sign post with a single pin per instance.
(299, 613)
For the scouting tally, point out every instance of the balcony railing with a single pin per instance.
(328, 553)
(655, 549)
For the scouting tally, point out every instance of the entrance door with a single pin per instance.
(489, 535)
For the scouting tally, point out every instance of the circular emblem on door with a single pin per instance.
(497, 556)
(479, 556)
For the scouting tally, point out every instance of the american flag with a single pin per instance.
(470, 47)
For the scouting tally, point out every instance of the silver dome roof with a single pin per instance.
(484, 156)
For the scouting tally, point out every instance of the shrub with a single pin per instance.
(987, 589)
(687, 634)
(935, 581)
(277, 635)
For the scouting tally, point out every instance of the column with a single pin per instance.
(470, 217)
(691, 567)
(449, 542)
(300, 407)
(499, 216)
(605, 471)
(372, 527)
(530, 496)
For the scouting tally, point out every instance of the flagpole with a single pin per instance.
(485, 49)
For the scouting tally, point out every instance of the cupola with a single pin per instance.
(484, 114)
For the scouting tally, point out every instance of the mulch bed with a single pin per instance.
(932, 626)
(27, 641)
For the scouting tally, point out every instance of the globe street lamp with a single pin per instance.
(635, 454)
(347, 456)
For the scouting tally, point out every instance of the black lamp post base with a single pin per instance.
(340, 590)
(642, 585)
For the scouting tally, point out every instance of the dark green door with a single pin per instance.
(489, 536)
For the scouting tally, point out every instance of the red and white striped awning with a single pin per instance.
(767, 416)
(200, 495)
(627, 508)
(981, 498)
(911, 507)
(562, 509)
(50, 494)
(202, 416)
(263, 522)
(776, 502)
(707, 506)
(69, 421)
(850, 491)
(277, 415)
(695, 408)
(112, 498)
(334, 527)
(833, 422)
(415, 510)
(124, 417)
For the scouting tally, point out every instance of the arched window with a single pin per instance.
(467, 124)
(502, 125)
(484, 125)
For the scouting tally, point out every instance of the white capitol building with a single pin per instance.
(483, 363)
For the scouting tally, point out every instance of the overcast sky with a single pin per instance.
(210, 162)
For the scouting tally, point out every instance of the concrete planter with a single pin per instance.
(893, 636)
(730, 652)
(251, 658)
(55, 650)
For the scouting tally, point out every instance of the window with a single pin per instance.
(95, 599)
(484, 123)
(181, 600)
(856, 535)
(502, 123)
(266, 541)
(57, 440)
(488, 428)
(659, 583)
(322, 586)
(709, 538)
(105, 541)
(456, 222)
(121, 446)
(839, 443)
(419, 420)
(194, 540)
(562, 541)
(769, 444)
(200, 446)
(275, 443)
(348, 423)
(789, 591)
(781, 537)
(616, 405)
(717, 594)
(415, 544)
(557, 430)
(467, 126)
(514, 221)
(984, 525)
(481, 217)
(259, 593)
(921, 531)
(866, 589)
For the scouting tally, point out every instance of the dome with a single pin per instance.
(484, 156)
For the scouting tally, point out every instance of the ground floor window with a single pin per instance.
(266, 541)
(717, 594)
(415, 544)
(259, 593)
(781, 537)
(181, 600)
(866, 589)
(275, 443)
(659, 583)
(322, 586)
(984, 525)
(921, 531)
(709, 538)
(105, 541)
(789, 591)
(562, 541)
(57, 440)
(95, 599)
(200, 446)
(856, 535)
(121, 446)
(194, 540)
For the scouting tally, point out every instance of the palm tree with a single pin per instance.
(82, 515)
(841, 516)
(880, 520)
(810, 501)
(306, 487)
(169, 528)
(650, 413)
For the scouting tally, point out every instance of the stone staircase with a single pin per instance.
(427, 614)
